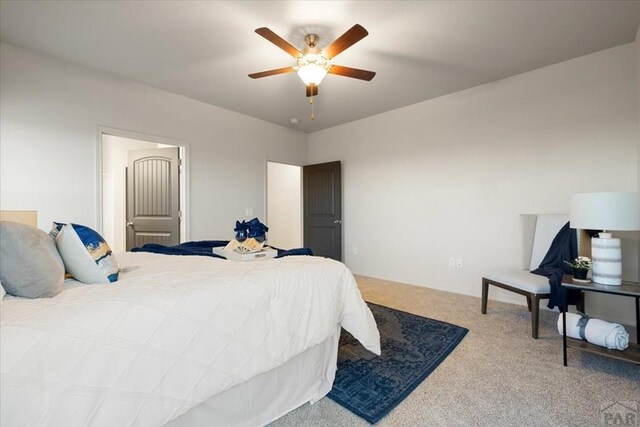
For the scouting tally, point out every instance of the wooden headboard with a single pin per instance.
(22, 217)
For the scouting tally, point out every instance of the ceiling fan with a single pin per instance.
(313, 64)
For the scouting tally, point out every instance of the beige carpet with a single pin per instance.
(497, 376)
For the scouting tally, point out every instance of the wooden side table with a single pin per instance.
(629, 289)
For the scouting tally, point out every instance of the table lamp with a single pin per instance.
(606, 211)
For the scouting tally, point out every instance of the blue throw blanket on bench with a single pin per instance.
(563, 248)
(205, 247)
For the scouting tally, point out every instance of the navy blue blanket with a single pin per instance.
(563, 248)
(204, 248)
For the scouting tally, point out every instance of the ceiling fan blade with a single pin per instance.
(268, 73)
(279, 41)
(348, 39)
(354, 73)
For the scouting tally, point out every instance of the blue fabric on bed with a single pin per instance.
(200, 248)
(292, 252)
(204, 248)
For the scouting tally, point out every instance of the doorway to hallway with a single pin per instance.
(142, 192)
(284, 205)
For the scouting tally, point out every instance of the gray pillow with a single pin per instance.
(30, 265)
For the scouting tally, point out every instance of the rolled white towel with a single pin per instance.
(596, 331)
(573, 330)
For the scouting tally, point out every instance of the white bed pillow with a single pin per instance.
(2, 292)
(86, 256)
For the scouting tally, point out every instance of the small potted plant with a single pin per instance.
(580, 266)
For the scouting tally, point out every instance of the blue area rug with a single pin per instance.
(371, 386)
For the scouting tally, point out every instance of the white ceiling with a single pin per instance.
(420, 50)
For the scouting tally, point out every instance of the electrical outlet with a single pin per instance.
(459, 262)
(355, 250)
(248, 212)
(452, 262)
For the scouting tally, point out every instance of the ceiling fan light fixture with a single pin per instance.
(312, 67)
(312, 74)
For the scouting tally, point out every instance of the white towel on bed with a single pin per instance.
(596, 331)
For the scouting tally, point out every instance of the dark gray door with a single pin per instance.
(153, 197)
(322, 194)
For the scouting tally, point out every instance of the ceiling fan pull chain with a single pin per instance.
(311, 102)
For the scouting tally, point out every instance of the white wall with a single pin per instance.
(284, 205)
(451, 176)
(446, 177)
(51, 110)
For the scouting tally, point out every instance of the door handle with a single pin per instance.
(337, 221)
(129, 224)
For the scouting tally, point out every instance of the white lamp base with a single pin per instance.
(606, 254)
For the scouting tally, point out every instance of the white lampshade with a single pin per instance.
(312, 74)
(605, 211)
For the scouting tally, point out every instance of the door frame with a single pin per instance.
(185, 229)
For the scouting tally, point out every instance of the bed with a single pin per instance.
(180, 341)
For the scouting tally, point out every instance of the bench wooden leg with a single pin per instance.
(535, 314)
(533, 301)
(485, 295)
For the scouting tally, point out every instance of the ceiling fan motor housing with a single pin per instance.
(312, 90)
(311, 39)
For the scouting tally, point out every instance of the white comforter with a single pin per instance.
(172, 332)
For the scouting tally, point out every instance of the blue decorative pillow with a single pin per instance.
(86, 256)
